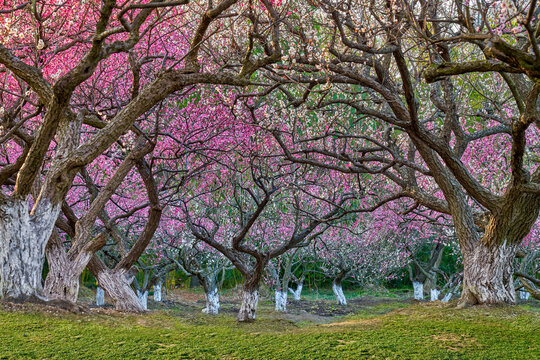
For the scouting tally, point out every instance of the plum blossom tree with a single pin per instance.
(56, 59)
(282, 271)
(363, 251)
(240, 212)
(468, 153)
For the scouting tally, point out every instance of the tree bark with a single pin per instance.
(281, 301)
(22, 248)
(143, 298)
(209, 283)
(250, 299)
(117, 285)
(488, 274)
(418, 290)
(212, 301)
(338, 291)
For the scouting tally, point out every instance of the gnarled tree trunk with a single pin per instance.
(488, 274)
(23, 237)
(117, 283)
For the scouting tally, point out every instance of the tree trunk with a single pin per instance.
(117, 284)
(524, 295)
(488, 275)
(62, 282)
(158, 297)
(100, 296)
(298, 292)
(338, 291)
(281, 300)
(250, 299)
(434, 294)
(143, 298)
(212, 301)
(418, 290)
(23, 238)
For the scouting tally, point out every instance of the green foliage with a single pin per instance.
(416, 332)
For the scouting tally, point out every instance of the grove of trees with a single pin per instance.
(355, 139)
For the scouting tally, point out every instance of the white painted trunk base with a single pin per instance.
(248, 309)
(418, 290)
(524, 295)
(298, 292)
(100, 296)
(143, 299)
(340, 296)
(447, 297)
(434, 294)
(281, 301)
(157, 293)
(212, 302)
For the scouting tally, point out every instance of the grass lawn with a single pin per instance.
(398, 331)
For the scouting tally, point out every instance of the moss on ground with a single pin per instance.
(384, 331)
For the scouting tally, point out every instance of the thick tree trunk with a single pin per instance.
(62, 282)
(117, 285)
(488, 275)
(250, 299)
(23, 238)
(338, 291)
(212, 301)
(281, 300)
(418, 288)
(100, 296)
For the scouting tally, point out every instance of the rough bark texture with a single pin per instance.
(418, 290)
(212, 302)
(488, 275)
(338, 291)
(281, 301)
(22, 248)
(250, 299)
(117, 284)
(62, 282)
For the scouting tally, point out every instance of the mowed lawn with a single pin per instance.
(418, 331)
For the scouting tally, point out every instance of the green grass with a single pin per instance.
(412, 332)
